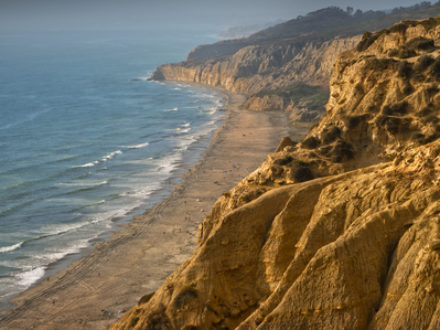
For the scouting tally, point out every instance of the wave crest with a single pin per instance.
(138, 146)
(9, 248)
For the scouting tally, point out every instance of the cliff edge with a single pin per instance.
(340, 230)
(268, 65)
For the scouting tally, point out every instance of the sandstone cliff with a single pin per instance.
(302, 50)
(341, 230)
(257, 67)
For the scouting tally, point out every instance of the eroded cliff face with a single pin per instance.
(302, 102)
(341, 230)
(256, 67)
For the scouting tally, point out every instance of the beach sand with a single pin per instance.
(136, 259)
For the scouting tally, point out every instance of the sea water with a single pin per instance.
(86, 140)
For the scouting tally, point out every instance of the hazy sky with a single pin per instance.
(134, 14)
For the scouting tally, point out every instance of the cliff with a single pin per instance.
(299, 51)
(341, 230)
(266, 68)
(258, 67)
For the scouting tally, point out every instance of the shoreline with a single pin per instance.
(136, 259)
(181, 161)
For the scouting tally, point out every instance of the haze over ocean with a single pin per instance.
(85, 139)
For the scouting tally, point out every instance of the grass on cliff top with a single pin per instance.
(319, 26)
(313, 97)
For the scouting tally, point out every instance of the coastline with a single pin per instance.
(136, 259)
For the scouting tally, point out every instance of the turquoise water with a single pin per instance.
(86, 140)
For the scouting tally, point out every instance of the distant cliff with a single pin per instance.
(339, 231)
(267, 67)
(258, 67)
(300, 51)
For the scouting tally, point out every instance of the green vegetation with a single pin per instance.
(325, 24)
(398, 109)
(145, 298)
(432, 22)
(134, 321)
(402, 52)
(184, 297)
(354, 121)
(429, 24)
(301, 172)
(342, 151)
(367, 39)
(404, 69)
(424, 62)
(420, 43)
(413, 47)
(311, 143)
(436, 68)
(331, 134)
(312, 97)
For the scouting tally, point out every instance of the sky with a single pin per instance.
(140, 14)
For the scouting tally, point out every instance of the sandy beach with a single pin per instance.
(116, 273)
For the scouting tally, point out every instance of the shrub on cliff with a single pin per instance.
(367, 40)
(311, 143)
(342, 151)
(420, 43)
(424, 62)
(331, 134)
(436, 68)
(301, 172)
(404, 69)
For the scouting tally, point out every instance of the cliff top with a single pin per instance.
(320, 25)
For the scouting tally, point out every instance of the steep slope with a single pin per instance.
(257, 67)
(266, 68)
(302, 50)
(320, 25)
(341, 230)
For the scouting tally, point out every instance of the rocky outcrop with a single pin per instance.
(341, 230)
(302, 102)
(268, 102)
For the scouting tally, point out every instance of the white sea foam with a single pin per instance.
(172, 109)
(138, 190)
(91, 164)
(138, 146)
(168, 164)
(83, 183)
(111, 155)
(108, 157)
(182, 130)
(61, 229)
(30, 276)
(144, 78)
(75, 248)
(9, 248)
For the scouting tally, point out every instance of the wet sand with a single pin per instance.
(135, 260)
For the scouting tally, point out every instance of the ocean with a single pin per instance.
(86, 141)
